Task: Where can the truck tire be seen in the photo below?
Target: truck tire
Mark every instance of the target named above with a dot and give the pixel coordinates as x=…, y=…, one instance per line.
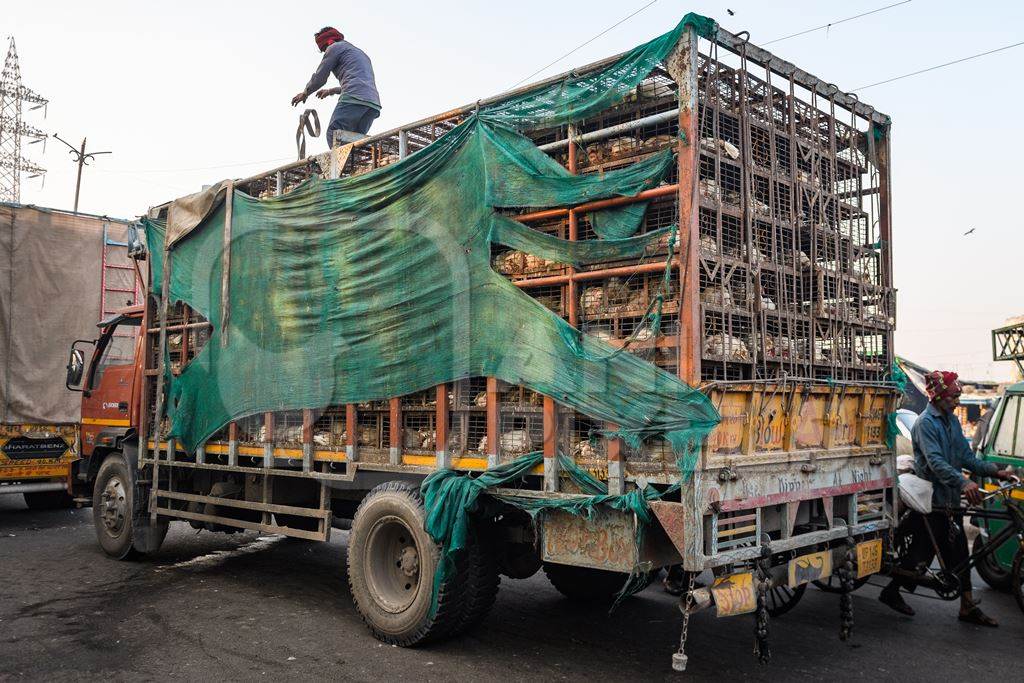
x=116, y=513
x=48, y=500
x=391, y=565
x=583, y=584
x=482, y=581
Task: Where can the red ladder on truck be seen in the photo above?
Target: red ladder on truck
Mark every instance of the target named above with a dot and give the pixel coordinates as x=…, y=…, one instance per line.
x=117, y=271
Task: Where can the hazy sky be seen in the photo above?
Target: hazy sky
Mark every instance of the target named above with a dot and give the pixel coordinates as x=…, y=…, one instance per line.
x=186, y=93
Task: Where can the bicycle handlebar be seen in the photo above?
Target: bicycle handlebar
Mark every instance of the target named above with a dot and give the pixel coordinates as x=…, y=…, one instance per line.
x=1014, y=483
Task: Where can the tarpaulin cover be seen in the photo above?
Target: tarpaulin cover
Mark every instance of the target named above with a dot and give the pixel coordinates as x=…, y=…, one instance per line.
x=380, y=285
x=50, y=275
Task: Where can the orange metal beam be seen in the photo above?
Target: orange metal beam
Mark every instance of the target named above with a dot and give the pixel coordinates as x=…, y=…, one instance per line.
x=395, y=427
x=493, y=413
x=689, y=306
x=441, y=423
x=662, y=191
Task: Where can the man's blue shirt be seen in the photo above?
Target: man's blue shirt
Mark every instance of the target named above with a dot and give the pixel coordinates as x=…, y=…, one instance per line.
x=941, y=453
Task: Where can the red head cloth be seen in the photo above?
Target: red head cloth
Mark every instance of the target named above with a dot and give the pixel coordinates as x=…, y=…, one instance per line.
x=942, y=384
x=327, y=35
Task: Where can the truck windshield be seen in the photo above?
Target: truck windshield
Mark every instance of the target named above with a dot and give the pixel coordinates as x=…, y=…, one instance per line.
x=117, y=347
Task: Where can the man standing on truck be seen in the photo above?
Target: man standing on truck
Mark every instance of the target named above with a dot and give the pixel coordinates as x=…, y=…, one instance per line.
x=941, y=453
x=359, y=103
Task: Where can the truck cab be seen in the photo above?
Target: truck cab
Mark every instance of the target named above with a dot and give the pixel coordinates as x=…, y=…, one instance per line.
x=108, y=378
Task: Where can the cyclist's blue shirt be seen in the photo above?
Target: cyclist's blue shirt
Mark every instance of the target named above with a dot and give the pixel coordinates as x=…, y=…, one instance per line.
x=941, y=453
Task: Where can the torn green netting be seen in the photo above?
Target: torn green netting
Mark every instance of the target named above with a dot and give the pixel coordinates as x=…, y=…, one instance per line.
x=450, y=498
x=518, y=236
x=899, y=380
x=618, y=223
x=898, y=377
x=578, y=97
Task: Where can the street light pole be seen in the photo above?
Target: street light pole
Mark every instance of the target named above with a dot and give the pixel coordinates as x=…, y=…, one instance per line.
x=81, y=158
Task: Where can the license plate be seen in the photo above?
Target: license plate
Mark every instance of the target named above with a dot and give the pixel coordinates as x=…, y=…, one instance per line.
x=734, y=594
x=869, y=558
x=811, y=567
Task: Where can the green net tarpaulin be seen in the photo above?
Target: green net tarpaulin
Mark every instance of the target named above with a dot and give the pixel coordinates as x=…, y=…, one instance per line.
x=380, y=285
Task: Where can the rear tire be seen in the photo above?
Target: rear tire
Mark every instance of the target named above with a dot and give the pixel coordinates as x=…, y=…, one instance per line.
x=48, y=500
x=482, y=582
x=583, y=584
x=991, y=571
x=392, y=561
x=115, y=511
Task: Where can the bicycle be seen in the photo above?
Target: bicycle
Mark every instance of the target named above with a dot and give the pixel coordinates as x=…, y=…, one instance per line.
x=945, y=582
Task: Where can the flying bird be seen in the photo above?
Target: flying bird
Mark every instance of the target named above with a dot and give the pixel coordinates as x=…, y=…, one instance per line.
x=731, y=13
x=969, y=232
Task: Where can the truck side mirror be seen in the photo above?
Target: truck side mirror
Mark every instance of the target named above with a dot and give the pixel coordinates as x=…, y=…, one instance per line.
x=76, y=365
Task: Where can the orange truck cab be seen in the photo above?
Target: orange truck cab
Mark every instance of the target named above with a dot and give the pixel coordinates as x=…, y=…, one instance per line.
x=109, y=379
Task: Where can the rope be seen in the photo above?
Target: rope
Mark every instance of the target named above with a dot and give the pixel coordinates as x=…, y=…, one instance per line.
x=309, y=122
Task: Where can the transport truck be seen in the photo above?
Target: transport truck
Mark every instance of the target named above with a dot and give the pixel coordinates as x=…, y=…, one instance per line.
x=49, y=257
x=705, y=242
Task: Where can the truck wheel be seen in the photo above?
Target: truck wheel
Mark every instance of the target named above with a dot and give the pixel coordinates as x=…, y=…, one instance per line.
x=48, y=500
x=991, y=570
x=391, y=565
x=114, y=511
x=482, y=581
x=583, y=584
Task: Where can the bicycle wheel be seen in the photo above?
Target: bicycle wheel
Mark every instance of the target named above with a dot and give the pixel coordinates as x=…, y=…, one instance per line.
x=1017, y=578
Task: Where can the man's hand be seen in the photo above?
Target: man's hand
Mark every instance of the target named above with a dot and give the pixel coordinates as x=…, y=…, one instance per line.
x=972, y=492
x=327, y=92
x=1005, y=475
x=300, y=98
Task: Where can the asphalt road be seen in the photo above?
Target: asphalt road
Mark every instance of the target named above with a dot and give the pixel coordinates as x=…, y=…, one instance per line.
x=217, y=607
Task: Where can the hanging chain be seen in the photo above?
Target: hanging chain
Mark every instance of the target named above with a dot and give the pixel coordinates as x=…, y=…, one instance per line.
x=679, y=659
x=761, y=648
x=846, y=597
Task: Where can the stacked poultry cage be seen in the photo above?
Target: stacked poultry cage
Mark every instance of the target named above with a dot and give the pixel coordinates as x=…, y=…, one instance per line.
x=792, y=282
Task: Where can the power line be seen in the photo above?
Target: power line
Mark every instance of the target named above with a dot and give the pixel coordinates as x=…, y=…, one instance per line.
x=940, y=66
x=835, y=23
x=198, y=168
x=584, y=44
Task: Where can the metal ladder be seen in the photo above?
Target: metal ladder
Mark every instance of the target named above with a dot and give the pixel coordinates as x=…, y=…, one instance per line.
x=112, y=296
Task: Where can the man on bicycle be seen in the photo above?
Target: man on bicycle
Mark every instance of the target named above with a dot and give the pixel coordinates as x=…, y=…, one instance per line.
x=941, y=453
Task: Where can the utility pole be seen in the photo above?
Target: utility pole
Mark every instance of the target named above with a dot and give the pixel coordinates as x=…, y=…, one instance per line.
x=82, y=158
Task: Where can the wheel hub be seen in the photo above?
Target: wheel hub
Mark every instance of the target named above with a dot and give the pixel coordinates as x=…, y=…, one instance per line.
x=392, y=564
x=114, y=506
x=409, y=561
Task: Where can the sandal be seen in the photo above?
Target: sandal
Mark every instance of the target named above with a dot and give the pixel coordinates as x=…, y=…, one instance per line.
x=977, y=617
x=894, y=600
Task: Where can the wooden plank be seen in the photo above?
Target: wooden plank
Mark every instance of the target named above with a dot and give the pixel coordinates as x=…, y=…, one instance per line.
x=245, y=504
x=242, y=524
